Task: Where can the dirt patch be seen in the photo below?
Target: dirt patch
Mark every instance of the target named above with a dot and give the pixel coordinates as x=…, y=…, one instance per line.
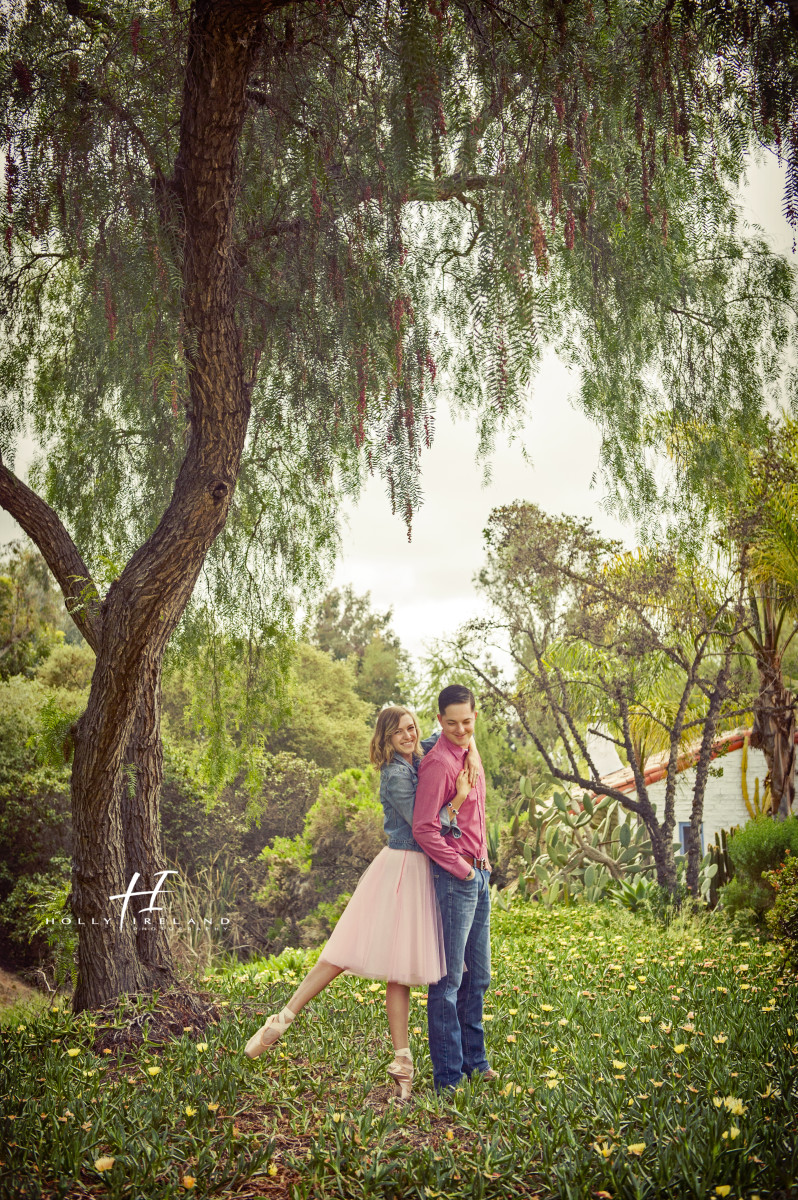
x=13, y=990
x=122, y=1026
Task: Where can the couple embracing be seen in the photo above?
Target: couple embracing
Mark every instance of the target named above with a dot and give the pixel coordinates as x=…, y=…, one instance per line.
x=421, y=912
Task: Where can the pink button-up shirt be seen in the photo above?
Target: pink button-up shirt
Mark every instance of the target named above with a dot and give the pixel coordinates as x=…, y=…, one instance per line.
x=437, y=784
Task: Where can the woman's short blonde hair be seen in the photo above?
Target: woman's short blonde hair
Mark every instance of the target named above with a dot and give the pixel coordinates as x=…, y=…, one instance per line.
x=381, y=751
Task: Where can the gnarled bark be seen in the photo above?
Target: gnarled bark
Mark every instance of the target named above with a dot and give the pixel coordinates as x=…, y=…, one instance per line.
x=773, y=730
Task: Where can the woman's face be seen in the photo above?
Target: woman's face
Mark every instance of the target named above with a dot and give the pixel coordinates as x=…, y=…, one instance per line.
x=404, y=738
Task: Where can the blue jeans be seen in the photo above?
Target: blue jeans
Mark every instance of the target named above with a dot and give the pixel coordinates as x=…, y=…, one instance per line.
x=454, y=1003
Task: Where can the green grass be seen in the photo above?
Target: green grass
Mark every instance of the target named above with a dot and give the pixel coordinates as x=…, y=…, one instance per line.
x=635, y=1061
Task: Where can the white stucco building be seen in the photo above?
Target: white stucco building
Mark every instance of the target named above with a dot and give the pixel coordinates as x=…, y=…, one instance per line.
x=724, y=805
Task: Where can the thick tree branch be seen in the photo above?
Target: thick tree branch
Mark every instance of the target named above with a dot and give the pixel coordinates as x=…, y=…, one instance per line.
x=45, y=528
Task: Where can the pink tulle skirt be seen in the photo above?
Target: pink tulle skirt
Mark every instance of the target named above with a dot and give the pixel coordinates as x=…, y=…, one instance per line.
x=391, y=928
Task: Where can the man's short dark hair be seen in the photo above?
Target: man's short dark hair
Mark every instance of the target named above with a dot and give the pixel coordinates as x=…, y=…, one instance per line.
x=456, y=694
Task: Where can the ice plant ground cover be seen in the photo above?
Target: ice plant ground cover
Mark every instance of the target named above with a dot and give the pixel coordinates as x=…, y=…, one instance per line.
x=635, y=1061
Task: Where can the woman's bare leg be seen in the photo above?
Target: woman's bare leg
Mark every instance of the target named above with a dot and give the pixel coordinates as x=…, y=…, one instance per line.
x=314, y=982
x=397, y=1005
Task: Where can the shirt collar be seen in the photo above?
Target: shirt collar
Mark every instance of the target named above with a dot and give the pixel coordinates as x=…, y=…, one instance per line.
x=458, y=753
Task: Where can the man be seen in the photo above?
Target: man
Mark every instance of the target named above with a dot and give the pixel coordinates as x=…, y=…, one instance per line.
x=461, y=872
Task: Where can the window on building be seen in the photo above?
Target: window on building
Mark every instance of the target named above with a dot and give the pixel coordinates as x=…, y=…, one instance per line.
x=685, y=834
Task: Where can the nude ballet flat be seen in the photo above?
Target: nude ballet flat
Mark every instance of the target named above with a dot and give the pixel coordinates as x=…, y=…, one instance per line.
x=401, y=1072
x=274, y=1028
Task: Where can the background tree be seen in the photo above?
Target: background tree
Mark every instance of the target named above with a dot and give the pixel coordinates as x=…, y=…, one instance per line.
x=231, y=239
x=329, y=723
x=591, y=633
x=346, y=626
x=773, y=600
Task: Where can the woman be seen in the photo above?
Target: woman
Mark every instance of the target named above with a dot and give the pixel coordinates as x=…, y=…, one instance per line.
x=391, y=927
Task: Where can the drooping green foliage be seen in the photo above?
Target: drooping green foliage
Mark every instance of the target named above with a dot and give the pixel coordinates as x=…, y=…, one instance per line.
x=423, y=187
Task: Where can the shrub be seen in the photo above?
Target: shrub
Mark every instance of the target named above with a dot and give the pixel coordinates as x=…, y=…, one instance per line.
x=35, y=820
x=33, y=913
x=783, y=917
x=307, y=874
x=758, y=846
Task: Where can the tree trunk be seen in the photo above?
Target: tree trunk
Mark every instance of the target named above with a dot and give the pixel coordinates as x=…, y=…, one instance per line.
x=774, y=731
x=116, y=830
x=661, y=849
x=141, y=824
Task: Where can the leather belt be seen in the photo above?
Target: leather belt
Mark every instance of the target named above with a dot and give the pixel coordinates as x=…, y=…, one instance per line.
x=481, y=863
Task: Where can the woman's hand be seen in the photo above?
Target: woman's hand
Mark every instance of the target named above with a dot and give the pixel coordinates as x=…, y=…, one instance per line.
x=473, y=763
x=464, y=785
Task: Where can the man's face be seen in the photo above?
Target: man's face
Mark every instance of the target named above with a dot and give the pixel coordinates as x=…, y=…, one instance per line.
x=457, y=723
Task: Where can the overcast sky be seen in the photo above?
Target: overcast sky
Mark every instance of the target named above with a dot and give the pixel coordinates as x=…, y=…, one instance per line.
x=429, y=582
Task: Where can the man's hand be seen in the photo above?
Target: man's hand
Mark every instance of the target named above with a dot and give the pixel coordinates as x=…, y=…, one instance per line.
x=471, y=875
x=473, y=763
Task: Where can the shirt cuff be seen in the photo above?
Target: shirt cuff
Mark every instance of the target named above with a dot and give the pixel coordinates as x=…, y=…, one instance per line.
x=463, y=868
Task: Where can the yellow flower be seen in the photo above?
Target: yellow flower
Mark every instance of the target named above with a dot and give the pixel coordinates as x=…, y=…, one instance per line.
x=487, y=1016
x=73, y=1053
x=272, y=1169
x=641, y=979
x=547, y=1007
x=191, y=1112
x=604, y=1151
x=449, y=1135
x=717, y=1101
x=735, y=1106
x=722, y=1189
x=374, y=987
x=202, y=1045
x=552, y=1083
x=636, y=1147
x=619, y=1066
x=513, y=1012
x=188, y=1182
x=563, y=1021
x=719, y=1038
x=734, y=1132
x=359, y=997
x=337, y=1118
x=153, y=1070
x=680, y=1049
x=510, y=1037
x=213, y=1105
x=416, y=1029
x=644, y=1020
x=104, y=1164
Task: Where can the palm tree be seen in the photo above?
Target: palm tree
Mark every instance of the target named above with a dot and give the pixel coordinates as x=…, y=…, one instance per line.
x=773, y=600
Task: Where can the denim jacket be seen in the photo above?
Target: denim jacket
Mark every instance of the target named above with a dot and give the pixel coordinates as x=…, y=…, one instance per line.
x=398, y=782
